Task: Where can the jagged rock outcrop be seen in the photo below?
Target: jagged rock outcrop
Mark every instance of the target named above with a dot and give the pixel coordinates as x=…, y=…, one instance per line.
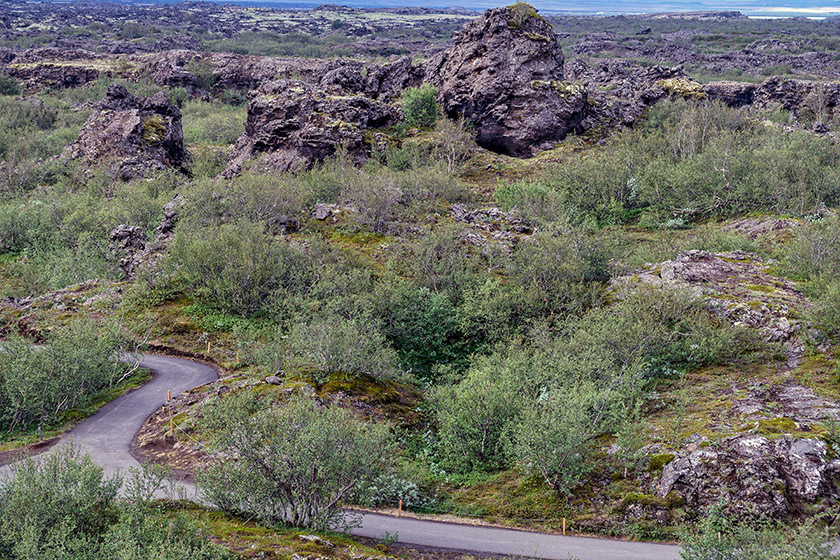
x=818, y=99
x=244, y=73
x=505, y=74
x=620, y=93
x=60, y=68
x=127, y=242
x=387, y=81
x=736, y=286
x=292, y=124
x=131, y=248
x=137, y=135
x=775, y=477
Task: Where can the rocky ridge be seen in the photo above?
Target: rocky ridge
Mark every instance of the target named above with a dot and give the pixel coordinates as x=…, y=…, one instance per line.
x=504, y=71
x=292, y=124
x=764, y=453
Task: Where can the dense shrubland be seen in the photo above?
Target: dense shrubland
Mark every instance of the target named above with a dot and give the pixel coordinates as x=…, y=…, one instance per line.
x=39, y=385
x=690, y=162
x=542, y=401
x=527, y=356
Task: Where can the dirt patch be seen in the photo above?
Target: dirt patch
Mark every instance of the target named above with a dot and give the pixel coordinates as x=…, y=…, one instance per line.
x=413, y=552
x=15, y=455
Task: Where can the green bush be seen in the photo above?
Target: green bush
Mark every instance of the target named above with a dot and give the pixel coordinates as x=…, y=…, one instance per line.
x=8, y=85
x=420, y=106
x=61, y=506
x=814, y=250
x=299, y=479
x=212, y=123
x=424, y=328
x=825, y=314
x=178, y=96
x=204, y=72
x=474, y=417
x=374, y=196
x=56, y=506
x=720, y=536
x=558, y=269
x=238, y=267
x=438, y=261
x=38, y=384
x=329, y=345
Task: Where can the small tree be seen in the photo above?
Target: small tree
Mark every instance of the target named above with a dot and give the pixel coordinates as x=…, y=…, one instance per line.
x=420, y=106
x=290, y=465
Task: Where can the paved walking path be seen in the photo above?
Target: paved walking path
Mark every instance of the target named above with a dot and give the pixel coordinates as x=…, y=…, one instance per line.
x=107, y=437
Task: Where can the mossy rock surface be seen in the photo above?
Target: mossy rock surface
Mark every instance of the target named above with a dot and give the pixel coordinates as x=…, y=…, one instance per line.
x=154, y=129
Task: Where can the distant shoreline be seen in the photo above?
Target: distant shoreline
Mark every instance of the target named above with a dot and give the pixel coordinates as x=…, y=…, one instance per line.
x=635, y=8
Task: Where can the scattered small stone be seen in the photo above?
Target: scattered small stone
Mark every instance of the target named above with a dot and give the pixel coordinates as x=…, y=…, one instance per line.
x=316, y=540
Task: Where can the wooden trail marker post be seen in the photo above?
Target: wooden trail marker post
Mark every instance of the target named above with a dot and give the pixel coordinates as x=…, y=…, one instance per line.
x=399, y=510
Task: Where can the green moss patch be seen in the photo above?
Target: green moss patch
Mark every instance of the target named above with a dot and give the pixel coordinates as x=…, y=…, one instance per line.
x=154, y=129
x=781, y=425
x=658, y=462
x=247, y=539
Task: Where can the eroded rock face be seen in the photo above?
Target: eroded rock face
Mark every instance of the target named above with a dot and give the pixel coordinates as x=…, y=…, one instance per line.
x=773, y=476
x=620, y=93
x=736, y=286
x=132, y=250
x=127, y=242
x=790, y=94
x=505, y=74
x=292, y=124
x=139, y=135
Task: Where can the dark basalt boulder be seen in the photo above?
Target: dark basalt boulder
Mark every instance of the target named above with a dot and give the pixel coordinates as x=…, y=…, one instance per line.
x=734, y=94
x=138, y=135
x=505, y=74
x=292, y=124
x=388, y=81
x=127, y=242
x=794, y=95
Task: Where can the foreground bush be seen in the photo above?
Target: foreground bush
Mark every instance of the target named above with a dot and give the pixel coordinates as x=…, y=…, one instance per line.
x=290, y=465
x=722, y=538
x=60, y=506
x=60, y=503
